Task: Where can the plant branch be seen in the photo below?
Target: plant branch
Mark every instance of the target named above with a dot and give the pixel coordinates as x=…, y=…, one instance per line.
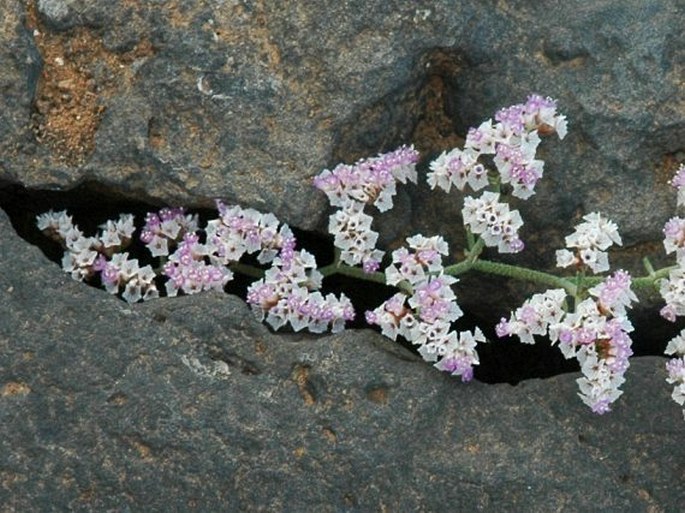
x=522, y=273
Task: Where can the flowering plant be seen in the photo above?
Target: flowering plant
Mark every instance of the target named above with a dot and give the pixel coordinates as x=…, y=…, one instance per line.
x=584, y=314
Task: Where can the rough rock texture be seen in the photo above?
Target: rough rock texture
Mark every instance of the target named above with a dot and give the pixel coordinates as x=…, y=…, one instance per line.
x=186, y=101
x=193, y=100
x=189, y=404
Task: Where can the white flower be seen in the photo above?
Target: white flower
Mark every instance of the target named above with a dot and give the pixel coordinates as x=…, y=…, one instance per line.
x=565, y=258
x=351, y=229
x=492, y=220
x=600, y=386
x=482, y=139
x=534, y=316
x=672, y=290
x=590, y=241
x=459, y=168
x=676, y=345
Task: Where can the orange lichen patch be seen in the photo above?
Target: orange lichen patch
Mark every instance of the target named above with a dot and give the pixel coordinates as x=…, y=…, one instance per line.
x=78, y=75
x=378, y=394
x=301, y=377
x=9, y=479
x=434, y=130
x=9, y=22
x=117, y=399
x=665, y=170
x=329, y=435
x=177, y=18
x=269, y=50
x=256, y=29
x=473, y=448
x=142, y=449
x=14, y=388
x=260, y=347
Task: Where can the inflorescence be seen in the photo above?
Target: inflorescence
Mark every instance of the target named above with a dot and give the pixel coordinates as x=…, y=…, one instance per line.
x=586, y=316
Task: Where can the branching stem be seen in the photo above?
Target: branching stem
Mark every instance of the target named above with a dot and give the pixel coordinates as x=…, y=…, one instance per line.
x=572, y=285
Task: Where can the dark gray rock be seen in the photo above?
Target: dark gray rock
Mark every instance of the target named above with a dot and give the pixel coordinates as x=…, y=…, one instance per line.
x=188, y=101
x=247, y=102
x=20, y=67
x=188, y=404
x=58, y=14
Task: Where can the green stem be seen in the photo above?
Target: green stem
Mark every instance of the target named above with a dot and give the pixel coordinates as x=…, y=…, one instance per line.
x=358, y=273
x=643, y=282
x=648, y=266
x=572, y=285
x=470, y=240
x=653, y=279
x=521, y=273
x=475, y=251
x=353, y=272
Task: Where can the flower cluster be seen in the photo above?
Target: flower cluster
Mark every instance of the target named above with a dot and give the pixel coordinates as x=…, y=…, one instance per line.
x=240, y=231
x=194, y=266
x=83, y=254
x=672, y=290
x=596, y=333
x=413, y=266
x=288, y=295
x=370, y=180
x=494, y=222
x=587, y=317
x=534, y=316
x=352, y=187
x=120, y=273
x=459, y=168
x=512, y=141
x=189, y=272
x=425, y=316
x=674, y=237
x=166, y=228
x=589, y=242
x=195, y=260
x=676, y=368
x=353, y=235
x=674, y=229
x=678, y=182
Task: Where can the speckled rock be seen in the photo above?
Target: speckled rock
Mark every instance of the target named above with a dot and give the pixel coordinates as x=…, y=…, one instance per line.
x=190, y=101
x=188, y=404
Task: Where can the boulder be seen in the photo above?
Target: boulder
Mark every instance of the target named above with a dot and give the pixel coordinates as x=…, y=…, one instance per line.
x=191, y=101
x=197, y=100
x=189, y=404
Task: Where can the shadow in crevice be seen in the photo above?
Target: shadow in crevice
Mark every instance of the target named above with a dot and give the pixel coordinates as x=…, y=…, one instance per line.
x=426, y=111
x=90, y=203
x=502, y=361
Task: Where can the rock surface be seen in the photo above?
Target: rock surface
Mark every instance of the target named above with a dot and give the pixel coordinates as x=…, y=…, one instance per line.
x=190, y=101
x=188, y=404
x=195, y=100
